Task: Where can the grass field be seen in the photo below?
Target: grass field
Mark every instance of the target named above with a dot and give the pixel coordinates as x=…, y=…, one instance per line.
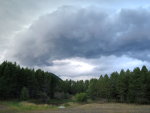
x=19, y=107
x=26, y=107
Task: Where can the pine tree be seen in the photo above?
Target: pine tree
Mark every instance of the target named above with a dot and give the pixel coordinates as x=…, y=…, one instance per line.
x=24, y=95
x=113, y=86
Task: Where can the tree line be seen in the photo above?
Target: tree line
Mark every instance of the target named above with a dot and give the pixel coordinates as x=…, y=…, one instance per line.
x=125, y=86
x=13, y=79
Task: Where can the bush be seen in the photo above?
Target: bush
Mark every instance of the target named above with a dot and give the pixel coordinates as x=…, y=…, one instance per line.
x=81, y=97
x=24, y=94
x=43, y=97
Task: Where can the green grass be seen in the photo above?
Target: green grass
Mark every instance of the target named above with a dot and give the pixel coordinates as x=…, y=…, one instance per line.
x=71, y=107
x=16, y=106
x=59, y=101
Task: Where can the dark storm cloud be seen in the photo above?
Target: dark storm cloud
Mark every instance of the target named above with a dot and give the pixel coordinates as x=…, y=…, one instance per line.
x=15, y=15
x=72, y=32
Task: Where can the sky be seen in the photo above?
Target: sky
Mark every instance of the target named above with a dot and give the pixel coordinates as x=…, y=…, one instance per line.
x=76, y=39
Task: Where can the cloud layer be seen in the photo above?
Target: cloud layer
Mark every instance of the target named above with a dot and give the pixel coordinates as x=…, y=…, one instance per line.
x=82, y=68
x=69, y=32
x=76, y=41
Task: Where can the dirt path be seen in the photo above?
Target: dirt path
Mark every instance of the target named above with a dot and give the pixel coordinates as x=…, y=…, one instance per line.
x=2, y=107
x=102, y=108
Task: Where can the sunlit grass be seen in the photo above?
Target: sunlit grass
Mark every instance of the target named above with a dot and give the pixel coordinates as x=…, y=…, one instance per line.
x=15, y=106
x=71, y=107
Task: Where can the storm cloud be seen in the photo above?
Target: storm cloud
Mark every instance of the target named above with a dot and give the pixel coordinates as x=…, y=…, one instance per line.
x=69, y=32
x=76, y=41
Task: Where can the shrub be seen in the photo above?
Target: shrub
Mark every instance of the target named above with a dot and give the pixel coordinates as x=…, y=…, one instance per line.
x=24, y=94
x=81, y=97
x=43, y=97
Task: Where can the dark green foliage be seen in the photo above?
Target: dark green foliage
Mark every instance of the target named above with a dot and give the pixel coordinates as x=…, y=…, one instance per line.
x=24, y=94
x=43, y=97
x=81, y=97
x=113, y=86
x=93, y=90
x=72, y=87
x=122, y=86
x=126, y=86
x=13, y=79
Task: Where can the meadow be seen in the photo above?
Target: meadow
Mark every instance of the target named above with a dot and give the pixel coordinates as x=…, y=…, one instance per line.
x=72, y=107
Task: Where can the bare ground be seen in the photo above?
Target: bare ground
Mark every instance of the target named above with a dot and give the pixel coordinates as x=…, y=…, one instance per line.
x=2, y=107
x=102, y=108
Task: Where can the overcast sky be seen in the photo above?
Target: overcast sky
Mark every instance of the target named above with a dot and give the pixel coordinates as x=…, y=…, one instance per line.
x=76, y=39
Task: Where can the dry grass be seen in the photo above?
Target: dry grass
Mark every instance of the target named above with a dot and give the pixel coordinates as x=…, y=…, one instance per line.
x=78, y=108
x=103, y=108
x=19, y=107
